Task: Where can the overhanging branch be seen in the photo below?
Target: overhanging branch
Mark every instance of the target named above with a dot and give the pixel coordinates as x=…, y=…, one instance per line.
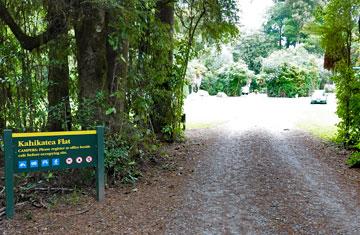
x=58, y=26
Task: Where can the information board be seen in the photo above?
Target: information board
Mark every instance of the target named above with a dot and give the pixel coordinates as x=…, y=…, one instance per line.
x=48, y=151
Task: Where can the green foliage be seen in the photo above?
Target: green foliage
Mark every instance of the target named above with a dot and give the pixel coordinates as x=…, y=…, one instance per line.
x=86, y=108
x=337, y=24
x=298, y=57
x=289, y=81
x=251, y=49
x=258, y=84
x=142, y=95
x=125, y=152
x=119, y=164
x=354, y=160
x=312, y=44
x=230, y=80
x=199, y=23
x=291, y=72
x=348, y=109
x=22, y=74
x=286, y=20
x=274, y=27
x=22, y=109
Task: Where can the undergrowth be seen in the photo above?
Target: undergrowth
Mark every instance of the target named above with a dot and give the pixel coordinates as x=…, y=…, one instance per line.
x=354, y=159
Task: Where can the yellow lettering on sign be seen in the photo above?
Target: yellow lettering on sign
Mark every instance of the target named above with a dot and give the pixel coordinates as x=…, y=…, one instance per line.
x=34, y=143
x=21, y=143
x=64, y=141
x=28, y=150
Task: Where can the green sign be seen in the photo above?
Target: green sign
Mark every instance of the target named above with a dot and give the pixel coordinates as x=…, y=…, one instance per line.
x=47, y=151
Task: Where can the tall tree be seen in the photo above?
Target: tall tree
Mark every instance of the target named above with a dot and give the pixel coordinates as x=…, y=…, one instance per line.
x=59, y=118
x=59, y=114
x=57, y=27
x=286, y=20
x=339, y=33
x=91, y=36
x=276, y=22
x=252, y=49
x=117, y=52
x=211, y=22
x=163, y=60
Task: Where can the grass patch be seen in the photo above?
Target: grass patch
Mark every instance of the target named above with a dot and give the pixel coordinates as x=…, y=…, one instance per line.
x=71, y=199
x=324, y=132
x=200, y=125
x=354, y=160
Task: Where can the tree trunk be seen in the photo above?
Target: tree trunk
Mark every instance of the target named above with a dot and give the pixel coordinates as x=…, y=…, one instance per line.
x=59, y=110
x=3, y=95
x=90, y=34
x=117, y=60
x=280, y=36
x=59, y=114
x=162, y=97
x=165, y=13
x=55, y=28
x=288, y=43
x=3, y=98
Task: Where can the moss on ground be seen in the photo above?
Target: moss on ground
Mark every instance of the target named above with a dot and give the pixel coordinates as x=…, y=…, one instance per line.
x=325, y=132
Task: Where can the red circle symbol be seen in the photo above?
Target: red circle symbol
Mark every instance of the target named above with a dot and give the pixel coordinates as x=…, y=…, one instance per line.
x=79, y=160
x=69, y=161
x=89, y=159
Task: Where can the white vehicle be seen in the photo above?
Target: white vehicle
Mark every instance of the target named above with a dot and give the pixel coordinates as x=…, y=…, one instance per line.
x=319, y=97
x=245, y=90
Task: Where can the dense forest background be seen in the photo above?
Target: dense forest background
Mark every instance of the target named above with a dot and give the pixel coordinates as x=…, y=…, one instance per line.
x=71, y=65
x=302, y=46
x=76, y=64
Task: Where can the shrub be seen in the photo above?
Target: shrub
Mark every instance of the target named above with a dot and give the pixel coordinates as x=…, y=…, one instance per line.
x=348, y=104
x=298, y=57
x=228, y=80
x=289, y=81
x=125, y=152
x=258, y=84
x=354, y=160
x=293, y=71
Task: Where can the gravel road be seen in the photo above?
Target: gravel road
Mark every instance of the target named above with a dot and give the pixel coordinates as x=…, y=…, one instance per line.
x=265, y=182
x=257, y=174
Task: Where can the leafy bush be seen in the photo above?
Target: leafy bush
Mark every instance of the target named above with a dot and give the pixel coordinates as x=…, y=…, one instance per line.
x=297, y=57
x=194, y=75
x=293, y=71
x=126, y=151
x=348, y=109
x=354, y=160
x=258, y=84
x=228, y=80
x=289, y=81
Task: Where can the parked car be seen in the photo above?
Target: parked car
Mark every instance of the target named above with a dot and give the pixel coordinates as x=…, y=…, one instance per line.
x=319, y=97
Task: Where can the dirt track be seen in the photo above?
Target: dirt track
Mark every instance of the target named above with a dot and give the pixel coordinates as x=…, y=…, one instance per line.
x=250, y=175
x=264, y=182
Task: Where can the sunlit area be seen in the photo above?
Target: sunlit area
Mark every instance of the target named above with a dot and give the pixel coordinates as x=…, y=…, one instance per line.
x=172, y=117
x=271, y=76
x=260, y=111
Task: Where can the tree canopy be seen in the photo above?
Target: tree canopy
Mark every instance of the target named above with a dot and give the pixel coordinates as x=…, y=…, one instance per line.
x=69, y=65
